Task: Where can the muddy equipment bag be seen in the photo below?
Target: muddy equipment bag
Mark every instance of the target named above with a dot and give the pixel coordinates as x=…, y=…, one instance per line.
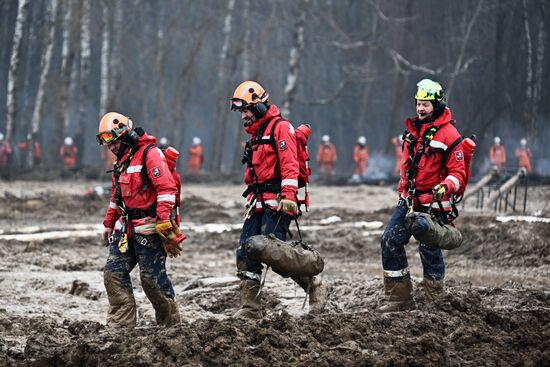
x=432, y=233
x=287, y=259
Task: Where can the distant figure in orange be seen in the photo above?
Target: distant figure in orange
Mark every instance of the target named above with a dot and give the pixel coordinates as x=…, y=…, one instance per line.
x=524, y=155
x=397, y=143
x=360, y=158
x=24, y=148
x=108, y=158
x=326, y=156
x=497, y=156
x=68, y=153
x=195, y=156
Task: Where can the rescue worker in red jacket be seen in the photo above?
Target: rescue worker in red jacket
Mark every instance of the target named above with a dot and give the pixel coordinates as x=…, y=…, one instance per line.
x=271, y=194
x=137, y=225
x=497, y=156
x=5, y=155
x=195, y=156
x=428, y=179
x=360, y=158
x=524, y=156
x=68, y=153
x=397, y=143
x=326, y=156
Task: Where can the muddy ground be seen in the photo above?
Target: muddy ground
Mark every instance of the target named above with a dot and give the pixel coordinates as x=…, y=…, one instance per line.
x=53, y=303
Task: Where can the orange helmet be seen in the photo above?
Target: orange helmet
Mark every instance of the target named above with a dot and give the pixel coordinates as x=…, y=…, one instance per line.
x=112, y=126
x=247, y=94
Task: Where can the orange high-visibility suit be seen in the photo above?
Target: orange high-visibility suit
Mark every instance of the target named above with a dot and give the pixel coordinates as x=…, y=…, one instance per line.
x=524, y=158
x=195, y=159
x=497, y=157
x=326, y=156
x=37, y=153
x=69, y=154
x=398, y=148
x=360, y=158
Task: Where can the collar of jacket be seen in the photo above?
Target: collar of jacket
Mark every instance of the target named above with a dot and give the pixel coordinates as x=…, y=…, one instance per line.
x=272, y=112
x=444, y=119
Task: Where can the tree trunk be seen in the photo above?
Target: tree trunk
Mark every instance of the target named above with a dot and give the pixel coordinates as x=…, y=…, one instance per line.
x=46, y=60
x=11, y=103
x=294, y=61
x=219, y=132
x=104, y=84
x=83, y=100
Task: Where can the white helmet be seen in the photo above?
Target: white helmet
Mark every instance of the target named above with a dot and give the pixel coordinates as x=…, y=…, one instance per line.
x=68, y=141
x=496, y=140
x=325, y=138
x=523, y=142
x=1, y=136
x=362, y=140
x=196, y=140
x=163, y=141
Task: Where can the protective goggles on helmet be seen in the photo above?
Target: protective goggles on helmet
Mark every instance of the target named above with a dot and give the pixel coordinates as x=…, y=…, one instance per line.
x=429, y=90
x=107, y=137
x=237, y=104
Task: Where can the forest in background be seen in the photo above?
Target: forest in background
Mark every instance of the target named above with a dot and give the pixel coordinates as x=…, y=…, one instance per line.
x=347, y=67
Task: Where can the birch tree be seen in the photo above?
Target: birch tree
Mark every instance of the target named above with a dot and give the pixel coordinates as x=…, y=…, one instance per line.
x=22, y=12
x=85, y=53
x=219, y=133
x=294, y=61
x=51, y=11
x=105, y=67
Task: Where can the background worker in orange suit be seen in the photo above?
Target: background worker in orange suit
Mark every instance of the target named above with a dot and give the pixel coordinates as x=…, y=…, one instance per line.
x=68, y=153
x=497, y=156
x=195, y=156
x=360, y=158
x=524, y=155
x=397, y=143
x=326, y=156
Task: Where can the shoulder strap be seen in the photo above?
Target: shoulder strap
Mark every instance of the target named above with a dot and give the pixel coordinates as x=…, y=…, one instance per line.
x=451, y=148
x=144, y=177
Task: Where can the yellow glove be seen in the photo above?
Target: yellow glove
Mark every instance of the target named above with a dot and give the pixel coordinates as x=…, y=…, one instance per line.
x=439, y=192
x=171, y=236
x=286, y=205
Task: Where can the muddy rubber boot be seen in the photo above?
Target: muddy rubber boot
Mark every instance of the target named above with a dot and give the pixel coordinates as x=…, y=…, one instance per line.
x=166, y=309
x=397, y=296
x=251, y=306
x=122, y=305
x=434, y=289
x=319, y=291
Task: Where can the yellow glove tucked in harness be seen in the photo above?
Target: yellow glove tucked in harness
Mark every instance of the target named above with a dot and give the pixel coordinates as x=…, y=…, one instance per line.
x=171, y=236
x=439, y=192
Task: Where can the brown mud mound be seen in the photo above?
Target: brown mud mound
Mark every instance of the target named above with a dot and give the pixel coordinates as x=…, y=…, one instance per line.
x=461, y=329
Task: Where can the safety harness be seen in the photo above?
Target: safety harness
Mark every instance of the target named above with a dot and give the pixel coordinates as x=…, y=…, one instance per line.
x=414, y=160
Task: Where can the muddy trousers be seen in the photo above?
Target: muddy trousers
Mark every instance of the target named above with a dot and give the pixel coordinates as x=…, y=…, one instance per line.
x=147, y=251
x=394, y=257
x=264, y=222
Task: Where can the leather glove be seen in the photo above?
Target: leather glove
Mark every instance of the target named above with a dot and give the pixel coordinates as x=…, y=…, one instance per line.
x=286, y=205
x=171, y=236
x=439, y=192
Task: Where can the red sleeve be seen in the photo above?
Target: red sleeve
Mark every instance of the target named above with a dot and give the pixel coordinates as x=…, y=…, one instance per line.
x=456, y=168
x=334, y=155
x=112, y=214
x=161, y=178
x=285, y=142
x=356, y=153
x=403, y=181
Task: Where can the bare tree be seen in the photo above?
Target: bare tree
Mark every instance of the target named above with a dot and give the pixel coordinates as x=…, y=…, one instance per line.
x=22, y=11
x=46, y=60
x=219, y=135
x=85, y=53
x=294, y=60
x=105, y=37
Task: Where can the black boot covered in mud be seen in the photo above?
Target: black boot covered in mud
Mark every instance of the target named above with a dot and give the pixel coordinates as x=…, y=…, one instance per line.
x=251, y=306
x=319, y=291
x=397, y=295
x=434, y=290
x=122, y=305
